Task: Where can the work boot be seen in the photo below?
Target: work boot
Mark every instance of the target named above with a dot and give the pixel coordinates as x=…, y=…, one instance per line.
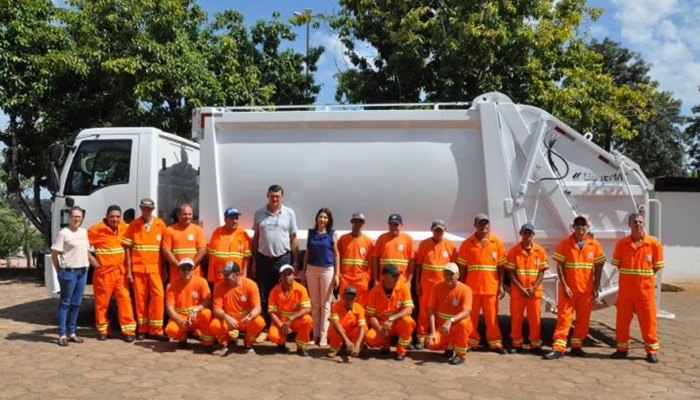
x=419, y=346
x=456, y=360
x=449, y=354
x=515, y=350
x=652, y=358
x=129, y=338
x=102, y=336
x=182, y=344
x=578, y=352
x=209, y=349
x=553, y=355
x=500, y=350
x=281, y=348
x=618, y=355
x=140, y=336
x=160, y=338
x=302, y=352
x=399, y=357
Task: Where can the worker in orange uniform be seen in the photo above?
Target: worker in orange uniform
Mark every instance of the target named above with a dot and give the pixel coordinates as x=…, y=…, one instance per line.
x=236, y=308
x=143, y=269
x=110, y=274
x=183, y=239
x=389, y=309
x=580, y=260
x=450, y=306
x=355, y=251
x=348, y=324
x=432, y=256
x=289, y=308
x=188, y=304
x=396, y=248
x=229, y=242
x=638, y=257
x=527, y=262
x=481, y=258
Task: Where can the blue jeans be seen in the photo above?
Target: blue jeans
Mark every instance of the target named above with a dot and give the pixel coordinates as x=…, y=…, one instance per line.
x=72, y=283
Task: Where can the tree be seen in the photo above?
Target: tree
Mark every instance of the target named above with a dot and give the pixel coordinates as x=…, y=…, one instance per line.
x=693, y=133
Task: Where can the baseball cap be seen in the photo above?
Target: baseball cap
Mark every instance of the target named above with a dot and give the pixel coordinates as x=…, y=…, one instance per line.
x=231, y=211
x=481, y=217
x=285, y=268
x=231, y=266
x=350, y=290
x=357, y=215
x=391, y=269
x=438, y=223
x=186, y=262
x=147, y=202
x=395, y=219
x=452, y=267
x=581, y=218
x=528, y=226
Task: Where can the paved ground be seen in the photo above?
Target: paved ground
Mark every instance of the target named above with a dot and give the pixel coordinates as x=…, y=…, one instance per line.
x=32, y=366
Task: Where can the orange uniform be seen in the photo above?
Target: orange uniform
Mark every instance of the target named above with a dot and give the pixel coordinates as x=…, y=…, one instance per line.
x=237, y=302
x=637, y=264
x=183, y=243
x=223, y=247
x=482, y=277
x=578, y=267
x=355, y=257
x=396, y=250
x=184, y=297
x=446, y=302
x=143, y=240
x=383, y=306
x=351, y=321
x=431, y=258
x=285, y=306
x=110, y=277
x=527, y=265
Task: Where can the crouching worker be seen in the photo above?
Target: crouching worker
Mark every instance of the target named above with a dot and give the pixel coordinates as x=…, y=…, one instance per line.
x=236, y=308
x=289, y=308
x=348, y=325
x=188, y=302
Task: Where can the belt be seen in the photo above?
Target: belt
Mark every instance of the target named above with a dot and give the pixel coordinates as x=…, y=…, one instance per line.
x=272, y=258
x=73, y=269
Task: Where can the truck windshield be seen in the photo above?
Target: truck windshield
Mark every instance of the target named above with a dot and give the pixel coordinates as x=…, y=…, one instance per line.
x=98, y=163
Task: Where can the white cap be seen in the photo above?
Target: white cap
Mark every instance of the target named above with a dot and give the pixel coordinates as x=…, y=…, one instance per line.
x=286, y=267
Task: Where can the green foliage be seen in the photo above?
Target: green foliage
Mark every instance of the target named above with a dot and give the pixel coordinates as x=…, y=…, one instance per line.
x=693, y=134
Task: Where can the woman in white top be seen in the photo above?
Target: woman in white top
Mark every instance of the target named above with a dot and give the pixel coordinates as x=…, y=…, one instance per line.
x=70, y=257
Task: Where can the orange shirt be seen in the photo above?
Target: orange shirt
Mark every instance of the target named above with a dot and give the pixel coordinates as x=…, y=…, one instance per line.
x=108, y=246
x=348, y=319
x=223, y=247
x=482, y=263
x=527, y=265
x=236, y=301
x=637, y=265
x=185, y=296
x=144, y=244
x=383, y=306
x=432, y=257
x=183, y=243
x=579, y=262
x=290, y=304
x=449, y=301
x=396, y=250
x=355, y=254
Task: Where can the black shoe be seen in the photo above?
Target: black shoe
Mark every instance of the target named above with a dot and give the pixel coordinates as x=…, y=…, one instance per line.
x=101, y=337
x=129, y=338
x=449, y=354
x=578, y=352
x=160, y=338
x=209, y=349
x=248, y=349
x=399, y=357
x=182, y=344
x=515, y=350
x=652, y=358
x=281, y=348
x=63, y=341
x=232, y=345
x=302, y=352
x=411, y=346
x=75, y=338
x=456, y=361
x=419, y=346
x=618, y=355
x=500, y=351
x=553, y=355
x=140, y=336
x=384, y=352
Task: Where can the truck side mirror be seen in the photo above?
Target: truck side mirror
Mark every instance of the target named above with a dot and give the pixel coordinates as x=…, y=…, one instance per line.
x=52, y=178
x=56, y=152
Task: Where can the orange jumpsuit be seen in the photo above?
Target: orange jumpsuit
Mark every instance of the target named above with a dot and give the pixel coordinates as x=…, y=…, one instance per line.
x=183, y=243
x=110, y=277
x=223, y=247
x=286, y=306
x=527, y=266
x=482, y=263
x=184, y=297
x=637, y=265
x=579, y=267
x=351, y=321
x=237, y=302
x=431, y=258
x=355, y=258
x=381, y=307
x=446, y=302
x=149, y=295
x=396, y=250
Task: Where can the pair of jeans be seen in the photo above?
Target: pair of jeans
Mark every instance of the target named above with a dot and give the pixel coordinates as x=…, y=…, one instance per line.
x=267, y=271
x=72, y=283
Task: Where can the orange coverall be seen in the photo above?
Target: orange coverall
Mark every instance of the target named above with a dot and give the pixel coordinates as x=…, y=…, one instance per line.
x=396, y=250
x=184, y=297
x=579, y=268
x=351, y=321
x=482, y=263
x=183, y=243
x=149, y=294
x=381, y=307
x=110, y=277
x=355, y=269
x=225, y=247
x=447, y=302
x=431, y=258
x=637, y=265
x=237, y=302
x=527, y=266
x=286, y=306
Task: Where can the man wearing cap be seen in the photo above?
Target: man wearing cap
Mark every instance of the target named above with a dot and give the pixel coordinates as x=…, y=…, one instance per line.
x=355, y=251
x=580, y=260
x=527, y=262
x=290, y=311
x=348, y=325
x=183, y=239
x=396, y=248
x=389, y=309
x=432, y=256
x=450, y=306
x=637, y=257
x=274, y=243
x=236, y=308
x=143, y=268
x=229, y=242
x=481, y=258
x=110, y=274
x=188, y=302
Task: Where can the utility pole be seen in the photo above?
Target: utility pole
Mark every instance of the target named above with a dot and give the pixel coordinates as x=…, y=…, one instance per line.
x=309, y=16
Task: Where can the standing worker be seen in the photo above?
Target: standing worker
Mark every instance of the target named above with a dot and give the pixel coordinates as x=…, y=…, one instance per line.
x=181, y=240
x=394, y=248
x=355, y=252
x=228, y=243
